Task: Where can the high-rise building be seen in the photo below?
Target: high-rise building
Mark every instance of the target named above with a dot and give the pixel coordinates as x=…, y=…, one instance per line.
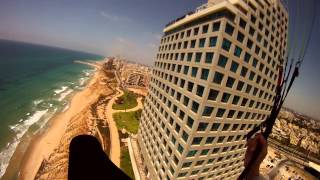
x=214, y=79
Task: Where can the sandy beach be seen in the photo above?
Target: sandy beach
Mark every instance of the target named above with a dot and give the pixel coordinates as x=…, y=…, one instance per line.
x=51, y=147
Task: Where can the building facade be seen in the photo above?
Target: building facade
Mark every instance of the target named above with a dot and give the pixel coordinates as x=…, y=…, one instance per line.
x=214, y=79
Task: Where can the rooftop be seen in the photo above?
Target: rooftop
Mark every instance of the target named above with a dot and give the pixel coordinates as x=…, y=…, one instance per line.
x=205, y=9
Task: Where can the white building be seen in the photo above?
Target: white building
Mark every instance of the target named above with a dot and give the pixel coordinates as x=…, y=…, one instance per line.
x=214, y=79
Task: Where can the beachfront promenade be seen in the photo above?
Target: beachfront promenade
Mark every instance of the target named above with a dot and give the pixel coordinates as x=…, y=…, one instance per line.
x=115, y=150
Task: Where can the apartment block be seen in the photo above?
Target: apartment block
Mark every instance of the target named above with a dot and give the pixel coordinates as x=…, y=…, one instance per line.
x=213, y=80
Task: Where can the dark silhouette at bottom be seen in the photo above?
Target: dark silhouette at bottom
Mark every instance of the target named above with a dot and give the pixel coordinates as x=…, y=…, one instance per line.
x=88, y=161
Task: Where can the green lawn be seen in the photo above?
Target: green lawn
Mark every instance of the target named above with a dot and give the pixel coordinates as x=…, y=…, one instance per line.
x=128, y=120
x=129, y=101
x=125, y=163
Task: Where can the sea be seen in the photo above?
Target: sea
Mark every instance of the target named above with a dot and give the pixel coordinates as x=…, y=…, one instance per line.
x=36, y=83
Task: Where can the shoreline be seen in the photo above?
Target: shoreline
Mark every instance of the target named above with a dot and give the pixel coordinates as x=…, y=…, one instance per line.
x=43, y=145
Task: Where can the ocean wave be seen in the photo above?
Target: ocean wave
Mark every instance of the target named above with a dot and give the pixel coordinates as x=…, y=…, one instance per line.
x=62, y=89
x=66, y=108
x=82, y=81
x=88, y=72
x=65, y=94
x=36, y=102
x=20, y=130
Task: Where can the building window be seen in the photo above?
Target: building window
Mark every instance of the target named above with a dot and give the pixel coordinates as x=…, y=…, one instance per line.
x=235, y=127
x=254, y=62
x=185, y=101
x=186, y=69
x=251, y=76
x=173, y=140
x=177, y=128
x=187, y=164
x=193, y=44
x=207, y=111
x=213, y=41
x=198, y=57
x=189, y=57
x=242, y=23
x=220, y=139
x=234, y=67
x=210, y=161
x=218, y=77
x=185, y=136
x=244, y=71
x=247, y=57
x=182, y=81
x=229, y=29
x=225, y=127
x=205, y=29
x=190, y=86
x=226, y=44
x=215, y=127
x=225, y=97
x=209, y=140
x=194, y=71
x=222, y=61
x=204, y=152
x=251, y=31
x=181, y=115
x=200, y=90
x=230, y=82
x=182, y=56
x=240, y=37
x=202, y=42
x=249, y=44
x=192, y=153
x=182, y=174
x=185, y=45
x=204, y=74
x=215, y=150
x=237, y=51
x=239, y=115
x=195, y=31
x=235, y=100
x=231, y=113
x=244, y=102
x=181, y=35
x=220, y=112
x=240, y=85
x=194, y=172
x=215, y=26
x=253, y=19
x=188, y=33
x=209, y=57
x=195, y=106
x=196, y=140
x=248, y=88
x=213, y=94
x=202, y=126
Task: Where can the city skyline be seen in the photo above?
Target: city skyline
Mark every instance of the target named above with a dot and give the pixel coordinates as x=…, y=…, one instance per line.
x=109, y=28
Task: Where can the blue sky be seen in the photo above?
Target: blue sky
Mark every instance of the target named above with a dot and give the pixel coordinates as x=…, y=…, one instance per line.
x=132, y=28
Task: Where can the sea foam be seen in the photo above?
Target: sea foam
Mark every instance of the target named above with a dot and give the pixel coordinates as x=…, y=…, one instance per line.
x=20, y=130
x=62, y=89
x=64, y=94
